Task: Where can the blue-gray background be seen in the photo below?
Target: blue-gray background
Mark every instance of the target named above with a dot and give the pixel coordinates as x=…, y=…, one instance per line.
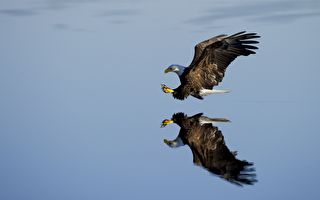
x=81, y=105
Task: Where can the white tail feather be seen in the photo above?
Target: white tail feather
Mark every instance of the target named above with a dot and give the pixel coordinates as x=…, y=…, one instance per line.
x=205, y=92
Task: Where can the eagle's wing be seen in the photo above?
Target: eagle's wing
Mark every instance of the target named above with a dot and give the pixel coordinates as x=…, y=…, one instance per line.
x=198, y=49
x=213, y=56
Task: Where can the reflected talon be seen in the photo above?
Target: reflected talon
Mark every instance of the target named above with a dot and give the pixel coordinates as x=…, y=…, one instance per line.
x=166, y=122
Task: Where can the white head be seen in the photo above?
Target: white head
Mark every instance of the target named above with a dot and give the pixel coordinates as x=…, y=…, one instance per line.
x=178, y=69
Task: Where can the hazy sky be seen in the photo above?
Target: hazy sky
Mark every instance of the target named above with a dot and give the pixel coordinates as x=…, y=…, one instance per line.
x=81, y=103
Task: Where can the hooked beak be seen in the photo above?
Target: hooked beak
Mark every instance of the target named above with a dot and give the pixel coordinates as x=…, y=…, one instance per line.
x=166, y=122
x=167, y=70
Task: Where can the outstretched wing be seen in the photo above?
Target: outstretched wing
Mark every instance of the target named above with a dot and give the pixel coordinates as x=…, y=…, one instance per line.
x=213, y=56
x=198, y=49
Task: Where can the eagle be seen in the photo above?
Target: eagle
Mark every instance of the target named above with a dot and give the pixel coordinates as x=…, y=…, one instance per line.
x=210, y=61
x=209, y=149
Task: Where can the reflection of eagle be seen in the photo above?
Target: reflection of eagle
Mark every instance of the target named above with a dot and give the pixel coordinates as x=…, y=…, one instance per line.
x=209, y=149
x=209, y=64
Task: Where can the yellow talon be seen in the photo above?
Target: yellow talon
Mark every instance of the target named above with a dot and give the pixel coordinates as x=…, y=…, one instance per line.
x=166, y=89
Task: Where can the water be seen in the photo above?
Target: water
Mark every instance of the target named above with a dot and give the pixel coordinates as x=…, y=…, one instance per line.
x=81, y=104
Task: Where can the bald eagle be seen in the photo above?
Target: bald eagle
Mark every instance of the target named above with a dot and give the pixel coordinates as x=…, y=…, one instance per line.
x=210, y=61
x=209, y=149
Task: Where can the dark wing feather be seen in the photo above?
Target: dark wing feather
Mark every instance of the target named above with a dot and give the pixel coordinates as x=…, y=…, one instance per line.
x=210, y=61
x=198, y=49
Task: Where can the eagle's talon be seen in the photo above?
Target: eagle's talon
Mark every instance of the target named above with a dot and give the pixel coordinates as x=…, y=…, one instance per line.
x=166, y=89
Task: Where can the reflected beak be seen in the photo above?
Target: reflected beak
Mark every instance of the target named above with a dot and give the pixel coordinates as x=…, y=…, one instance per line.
x=166, y=122
x=170, y=143
x=167, y=141
x=167, y=70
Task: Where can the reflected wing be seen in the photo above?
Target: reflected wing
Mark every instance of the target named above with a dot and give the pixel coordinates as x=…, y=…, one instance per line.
x=209, y=151
x=213, y=56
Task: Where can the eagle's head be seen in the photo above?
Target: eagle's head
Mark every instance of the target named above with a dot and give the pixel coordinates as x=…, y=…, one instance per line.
x=178, y=69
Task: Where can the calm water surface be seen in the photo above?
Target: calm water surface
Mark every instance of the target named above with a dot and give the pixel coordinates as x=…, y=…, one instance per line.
x=81, y=104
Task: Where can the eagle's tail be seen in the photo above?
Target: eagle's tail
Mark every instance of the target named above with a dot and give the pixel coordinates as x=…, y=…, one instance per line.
x=220, y=91
x=205, y=92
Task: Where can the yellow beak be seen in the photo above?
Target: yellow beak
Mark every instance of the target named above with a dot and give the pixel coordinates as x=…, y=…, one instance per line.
x=167, y=70
x=166, y=122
